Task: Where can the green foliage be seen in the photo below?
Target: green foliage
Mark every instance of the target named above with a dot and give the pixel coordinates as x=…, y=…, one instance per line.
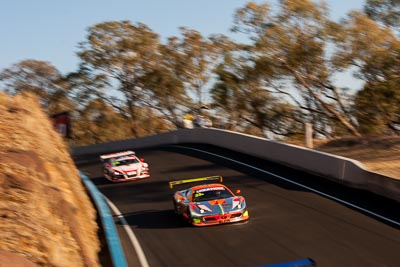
x=385, y=11
x=375, y=51
x=97, y=122
x=241, y=97
x=378, y=108
x=293, y=44
x=124, y=53
x=198, y=56
x=38, y=77
x=85, y=86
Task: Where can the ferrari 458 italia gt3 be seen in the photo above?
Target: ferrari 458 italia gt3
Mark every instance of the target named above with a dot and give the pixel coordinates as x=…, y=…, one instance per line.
x=209, y=204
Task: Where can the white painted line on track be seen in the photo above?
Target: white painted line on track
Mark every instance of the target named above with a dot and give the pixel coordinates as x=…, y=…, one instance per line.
x=131, y=235
x=298, y=184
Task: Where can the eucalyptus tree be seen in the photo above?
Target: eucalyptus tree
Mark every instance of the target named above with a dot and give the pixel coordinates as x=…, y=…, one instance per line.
x=377, y=107
x=166, y=83
x=198, y=56
x=92, y=123
x=374, y=51
x=40, y=78
x=241, y=95
x=226, y=92
x=84, y=86
x=124, y=53
x=384, y=11
x=180, y=82
x=292, y=42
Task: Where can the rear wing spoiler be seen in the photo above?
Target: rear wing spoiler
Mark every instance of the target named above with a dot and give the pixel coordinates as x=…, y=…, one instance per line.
x=192, y=180
x=117, y=154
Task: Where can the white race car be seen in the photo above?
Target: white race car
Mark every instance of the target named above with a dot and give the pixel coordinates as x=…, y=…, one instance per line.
x=124, y=166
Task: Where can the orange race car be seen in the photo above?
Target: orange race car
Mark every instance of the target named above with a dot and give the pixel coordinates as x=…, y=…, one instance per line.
x=209, y=204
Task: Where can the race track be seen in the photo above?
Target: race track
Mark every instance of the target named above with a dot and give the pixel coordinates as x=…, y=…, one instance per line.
x=287, y=222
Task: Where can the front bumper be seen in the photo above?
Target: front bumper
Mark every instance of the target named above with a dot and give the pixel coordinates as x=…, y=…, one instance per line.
x=214, y=219
x=125, y=177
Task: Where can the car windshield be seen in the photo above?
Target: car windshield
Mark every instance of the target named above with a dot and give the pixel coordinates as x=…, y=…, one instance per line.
x=211, y=193
x=125, y=161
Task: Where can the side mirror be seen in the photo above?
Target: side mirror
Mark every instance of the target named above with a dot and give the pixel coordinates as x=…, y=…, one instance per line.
x=237, y=191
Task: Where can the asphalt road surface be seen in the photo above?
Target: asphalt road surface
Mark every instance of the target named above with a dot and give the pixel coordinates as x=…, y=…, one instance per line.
x=287, y=222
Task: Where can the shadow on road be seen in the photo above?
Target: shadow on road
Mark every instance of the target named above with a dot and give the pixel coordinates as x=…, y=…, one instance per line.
x=155, y=219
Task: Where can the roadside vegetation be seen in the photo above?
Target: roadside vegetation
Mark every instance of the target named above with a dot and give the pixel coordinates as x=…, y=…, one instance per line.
x=377, y=154
x=289, y=72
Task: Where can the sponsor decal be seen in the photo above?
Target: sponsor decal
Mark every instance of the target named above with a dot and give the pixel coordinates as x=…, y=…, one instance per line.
x=204, y=207
x=210, y=189
x=235, y=204
x=221, y=209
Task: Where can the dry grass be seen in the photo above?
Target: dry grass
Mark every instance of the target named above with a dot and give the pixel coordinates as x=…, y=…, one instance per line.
x=378, y=154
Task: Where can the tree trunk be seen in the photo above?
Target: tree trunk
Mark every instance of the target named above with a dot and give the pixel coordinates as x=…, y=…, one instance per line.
x=340, y=117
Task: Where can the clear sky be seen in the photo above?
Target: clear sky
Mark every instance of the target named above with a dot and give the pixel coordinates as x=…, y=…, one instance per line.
x=50, y=30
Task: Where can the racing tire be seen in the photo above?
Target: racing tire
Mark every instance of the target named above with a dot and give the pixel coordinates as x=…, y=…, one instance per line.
x=189, y=220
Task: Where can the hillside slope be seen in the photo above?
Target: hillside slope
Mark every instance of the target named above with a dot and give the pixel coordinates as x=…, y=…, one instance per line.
x=47, y=218
x=377, y=154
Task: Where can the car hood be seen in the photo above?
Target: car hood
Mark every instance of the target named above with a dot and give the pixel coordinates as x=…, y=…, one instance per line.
x=220, y=206
x=127, y=168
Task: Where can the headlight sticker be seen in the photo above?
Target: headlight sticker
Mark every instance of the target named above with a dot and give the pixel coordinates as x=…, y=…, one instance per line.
x=236, y=204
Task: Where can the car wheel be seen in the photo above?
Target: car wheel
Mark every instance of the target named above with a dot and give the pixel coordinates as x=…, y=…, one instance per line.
x=189, y=219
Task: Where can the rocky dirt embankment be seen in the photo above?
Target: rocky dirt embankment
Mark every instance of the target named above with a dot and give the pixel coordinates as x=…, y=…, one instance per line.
x=46, y=216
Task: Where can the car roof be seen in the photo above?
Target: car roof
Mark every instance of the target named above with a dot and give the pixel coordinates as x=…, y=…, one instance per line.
x=118, y=154
x=123, y=158
x=198, y=187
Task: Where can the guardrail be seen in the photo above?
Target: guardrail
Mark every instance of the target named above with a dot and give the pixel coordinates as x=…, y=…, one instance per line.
x=338, y=169
x=117, y=254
